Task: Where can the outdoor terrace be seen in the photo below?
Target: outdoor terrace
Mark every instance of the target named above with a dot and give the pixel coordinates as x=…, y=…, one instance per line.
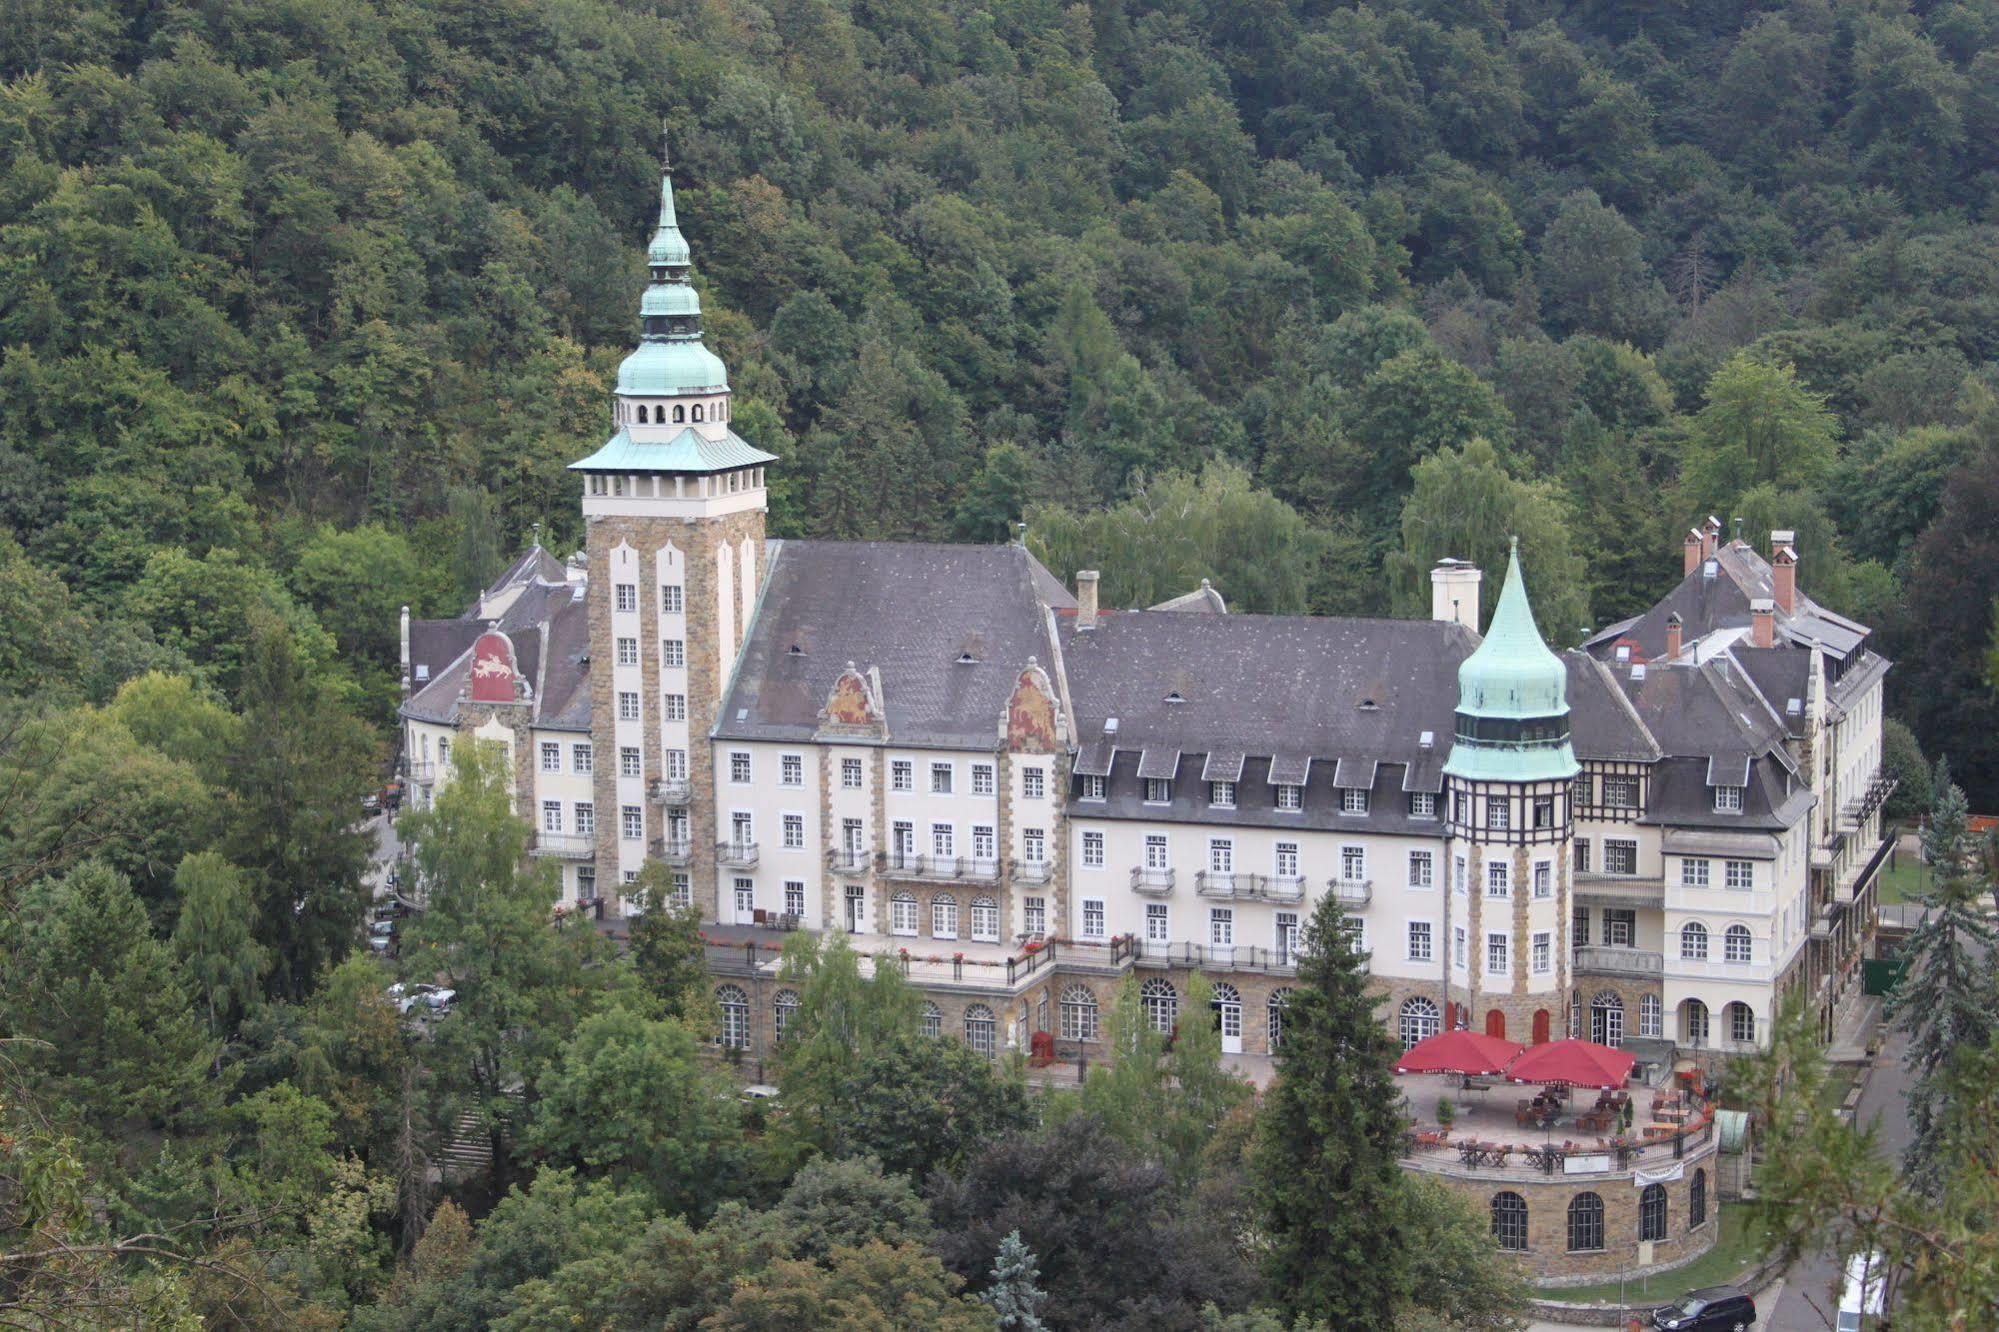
x=988, y=967
x=1493, y=1135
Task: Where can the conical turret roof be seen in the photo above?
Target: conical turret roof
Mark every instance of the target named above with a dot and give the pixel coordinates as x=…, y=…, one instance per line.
x=1513, y=674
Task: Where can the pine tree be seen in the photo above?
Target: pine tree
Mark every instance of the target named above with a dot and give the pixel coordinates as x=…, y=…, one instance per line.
x=1016, y=1300
x=1946, y=998
x=1325, y=1159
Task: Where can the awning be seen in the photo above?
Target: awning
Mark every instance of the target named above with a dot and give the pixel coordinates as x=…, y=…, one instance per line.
x=1424, y=773
x=1728, y=769
x=1354, y=774
x=1158, y=763
x=1459, y=1051
x=1290, y=769
x=1222, y=767
x=1573, y=1063
x=1095, y=758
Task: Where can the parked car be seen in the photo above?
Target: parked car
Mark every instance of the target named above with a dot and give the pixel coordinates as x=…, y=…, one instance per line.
x=759, y=1091
x=382, y=937
x=371, y=803
x=1864, y=1301
x=1710, y=1309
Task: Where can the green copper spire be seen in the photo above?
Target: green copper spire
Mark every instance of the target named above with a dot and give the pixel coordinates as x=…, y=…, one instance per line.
x=670, y=358
x=1513, y=709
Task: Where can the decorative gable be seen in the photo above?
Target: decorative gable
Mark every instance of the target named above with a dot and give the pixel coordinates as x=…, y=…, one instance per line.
x=853, y=705
x=494, y=673
x=1033, y=722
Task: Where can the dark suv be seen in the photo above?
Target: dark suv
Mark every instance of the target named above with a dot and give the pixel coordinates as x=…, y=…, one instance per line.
x=1715, y=1309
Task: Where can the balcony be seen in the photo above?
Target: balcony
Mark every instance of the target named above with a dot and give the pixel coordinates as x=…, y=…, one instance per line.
x=1217, y=883
x=672, y=850
x=1218, y=957
x=669, y=790
x=1352, y=892
x=1611, y=961
x=849, y=860
x=423, y=774
x=736, y=855
x=1279, y=887
x=902, y=865
x=979, y=867
x=1151, y=882
x=563, y=846
x=1859, y=809
x=1032, y=871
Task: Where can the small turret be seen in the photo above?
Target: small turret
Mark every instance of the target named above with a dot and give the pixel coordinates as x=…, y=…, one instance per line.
x=1513, y=710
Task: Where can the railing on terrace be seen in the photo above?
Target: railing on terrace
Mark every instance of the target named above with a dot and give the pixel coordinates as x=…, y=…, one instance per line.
x=565, y=846
x=424, y=772
x=669, y=790
x=1151, y=882
x=673, y=850
x=1352, y=892
x=842, y=860
x=1607, y=960
x=1216, y=883
x=916, y=961
x=736, y=855
x=1032, y=871
x=1279, y=887
x=1605, y=1157
x=1219, y=957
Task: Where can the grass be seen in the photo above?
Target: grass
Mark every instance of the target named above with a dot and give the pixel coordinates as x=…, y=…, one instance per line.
x=1903, y=878
x=1733, y=1252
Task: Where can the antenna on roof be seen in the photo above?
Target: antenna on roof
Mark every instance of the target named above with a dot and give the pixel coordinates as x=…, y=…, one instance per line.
x=665, y=146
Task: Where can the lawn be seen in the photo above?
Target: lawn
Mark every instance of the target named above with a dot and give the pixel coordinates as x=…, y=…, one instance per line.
x=1728, y=1259
x=1902, y=878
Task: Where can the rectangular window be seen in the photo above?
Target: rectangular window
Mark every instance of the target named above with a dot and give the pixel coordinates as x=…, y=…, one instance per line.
x=902, y=839
x=1290, y=797
x=1221, y=855
x=1496, y=884
x=1458, y=945
x=1458, y=872
x=1582, y=855
x=1579, y=790
x=1620, y=792
x=850, y=836
x=1353, y=800
x=628, y=652
x=1221, y=926
x=1155, y=851
x=1285, y=937
x=746, y=897
x=1093, y=918
x=551, y=756
x=902, y=914
x=1221, y=795
x=1422, y=869
x=1353, y=863
x=1034, y=915
x=940, y=779
x=580, y=758
x=1544, y=879
x=794, y=896
x=1033, y=783
x=629, y=764
x=1093, y=850
x=943, y=840
x=632, y=821
x=586, y=817
x=627, y=596
x=1495, y=954
x=1544, y=953
x=628, y=706
x=1034, y=846
x=1728, y=800
x=676, y=765
x=1285, y=860
x=1620, y=927
x=794, y=832
x=676, y=707
x=739, y=767
x=1157, y=929
x=1422, y=805
x=1693, y=873
x=1419, y=941
x=1619, y=857
x=982, y=778
x=850, y=774
x=901, y=775
x=1544, y=811
x=1093, y=788
x=1579, y=927
x=1739, y=874
x=586, y=883
x=1158, y=791
x=742, y=828
x=673, y=653
x=670, y=600
x=791, y=770
x=983, y=844
x=551, y=816
x=1498, y=813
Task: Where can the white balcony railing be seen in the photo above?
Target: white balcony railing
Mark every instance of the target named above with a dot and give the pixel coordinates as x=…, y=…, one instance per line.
x=1151, y=882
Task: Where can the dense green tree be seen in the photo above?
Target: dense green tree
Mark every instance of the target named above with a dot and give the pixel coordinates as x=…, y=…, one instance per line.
x=846, y=1015
x=1759, y=427
x=920, y=1104
x=666, y=949
x=219, y=954
x=1902, y=759
x=1593, y=276
x=1013, y=1295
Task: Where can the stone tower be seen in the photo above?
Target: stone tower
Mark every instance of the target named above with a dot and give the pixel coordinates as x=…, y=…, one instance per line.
x=1508, y=783
x=673, y=508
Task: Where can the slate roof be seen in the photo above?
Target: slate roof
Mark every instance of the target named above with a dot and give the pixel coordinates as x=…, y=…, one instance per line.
x=908, y=609
x=549, y=627
x=1203, y=600
x=1709, y=603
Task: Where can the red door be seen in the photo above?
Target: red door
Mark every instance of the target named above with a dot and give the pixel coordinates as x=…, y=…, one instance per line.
x=1540, y=1026
x=1495, y=1024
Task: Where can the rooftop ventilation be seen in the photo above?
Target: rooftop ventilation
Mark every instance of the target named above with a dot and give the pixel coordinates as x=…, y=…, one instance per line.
x=1369, y=705
x=1794, y=707
x=1623, y=653
x=1427, y=740
x=423, y=670
x=742, y=714
x=1110, y=726
x=1175, y=697
x=1638, y=671
x=1709, y=569
x=794, y=651
x=967, y=659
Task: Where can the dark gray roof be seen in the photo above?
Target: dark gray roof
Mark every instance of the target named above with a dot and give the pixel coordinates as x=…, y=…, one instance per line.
x=1256, y=801
x=910, y=610
x=1602, y=723
x=1223, y=766
x=1159, y=762
x=549, y=627
x=1290, y=769
x=1203, y=600
x=1717, y=598
x=1779, y=674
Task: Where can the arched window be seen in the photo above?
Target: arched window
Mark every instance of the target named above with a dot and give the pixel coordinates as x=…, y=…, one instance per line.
x=933, y=1019
x=985, y=920
x=943, y=916
x=1585, y=1223
x=1161, y=1002
x=1509, y=1220
x=784, y=1007
x=1693, y=941
x=697, y=411
x=1693, y=1022
x=1652, y=1212
x=1495, y=1023
x=981, y=1031
x=1651, y=1015
x=1697, y=1200
x=1079, y=1014
x=902, y=913
x=1736, y=945
x=642, y=414
x=1541, y=1022
x=1273, y=1017
x=1741, y=1023
x=679, y=414
x=1419, y=1021
x=1606, y=1018
x=735, y=1006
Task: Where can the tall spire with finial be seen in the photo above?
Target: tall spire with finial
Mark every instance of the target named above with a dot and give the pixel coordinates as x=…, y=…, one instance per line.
x=1513, y=708
x=670, y=358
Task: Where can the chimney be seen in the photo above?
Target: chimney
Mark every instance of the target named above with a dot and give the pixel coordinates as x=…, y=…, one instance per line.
x=1784, y=570
x=1710, y=536
x=1675, y=628
x=406, y=652
x=1454, y=588
x=1693, y=551
x=1762, y=623
x=1086, y=599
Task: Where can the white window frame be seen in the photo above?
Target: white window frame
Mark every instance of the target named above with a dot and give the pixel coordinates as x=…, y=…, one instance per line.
x=741, y=770
x=1093, y=849
x=982, y=779
x=1422, y=941
x=581, y=759
x=1092, y=788
x=793, y=831
x=1093, y=918
x=1543, y=952
x=1498, y=879
x=1158, y=923
x=551, y=756
x=1422, y=870
x=1497, y=954
x=901, y=775
x=1694, y=872
x=1728, y=800
x=1353, y=800
x=791, y=770
x=943, y=778
x=1422, y=804
x=1290, y=797
x=1221, y=795
x=850, y=774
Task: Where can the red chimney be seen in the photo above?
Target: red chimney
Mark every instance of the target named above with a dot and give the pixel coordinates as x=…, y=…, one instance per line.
x=1693, y=550
x=1762, y=623
x=1674, y=629
x=1710, y=536
x=1784, y=571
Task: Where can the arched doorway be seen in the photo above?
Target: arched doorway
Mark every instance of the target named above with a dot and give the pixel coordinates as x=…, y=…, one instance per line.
x=1606, y=1018
x=1541, y=1026
x=1495, y=1023
x=1228, y=1017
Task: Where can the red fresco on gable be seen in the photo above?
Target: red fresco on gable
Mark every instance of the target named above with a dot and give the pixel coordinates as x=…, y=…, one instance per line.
x=848, y=705
x=1030, y=717
x=493, y=669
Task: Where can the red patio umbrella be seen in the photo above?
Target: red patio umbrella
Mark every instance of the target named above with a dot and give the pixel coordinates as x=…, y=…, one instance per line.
x=1458, y=1052
x=1574, y=1063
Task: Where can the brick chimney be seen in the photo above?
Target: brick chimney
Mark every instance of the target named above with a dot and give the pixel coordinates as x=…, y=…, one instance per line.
x=1693, y=550
x=1086, y=599
x=1784, y=570
x=1454, y=586
x=1762, y=623
x=1675, y=628
x=1710, y=536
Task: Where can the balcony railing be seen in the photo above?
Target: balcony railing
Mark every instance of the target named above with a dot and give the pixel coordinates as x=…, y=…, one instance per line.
x=1216, y=883
x=902, y=865
x=848, y=860
x=1279, y=887
x=1879, y=788
x=669, y=790
x=1219, y=957
x=564, y=846
x=736, y=855
x=1151, y=882
x=1032, y=871
x=1606, y=960
x=978, y=867
x=423, y=774
x=1352, y=892
x=672, y=850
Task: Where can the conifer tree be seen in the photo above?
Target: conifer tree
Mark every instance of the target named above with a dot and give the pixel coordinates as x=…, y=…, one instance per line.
x=1015, y=1299
x=1946, y=998
x=1325, y=1158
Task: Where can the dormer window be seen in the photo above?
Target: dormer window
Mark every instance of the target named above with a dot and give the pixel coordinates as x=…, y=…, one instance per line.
x=1728, y=800
x=1175, y=697
x=1221, y=795
x=1158, y=791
